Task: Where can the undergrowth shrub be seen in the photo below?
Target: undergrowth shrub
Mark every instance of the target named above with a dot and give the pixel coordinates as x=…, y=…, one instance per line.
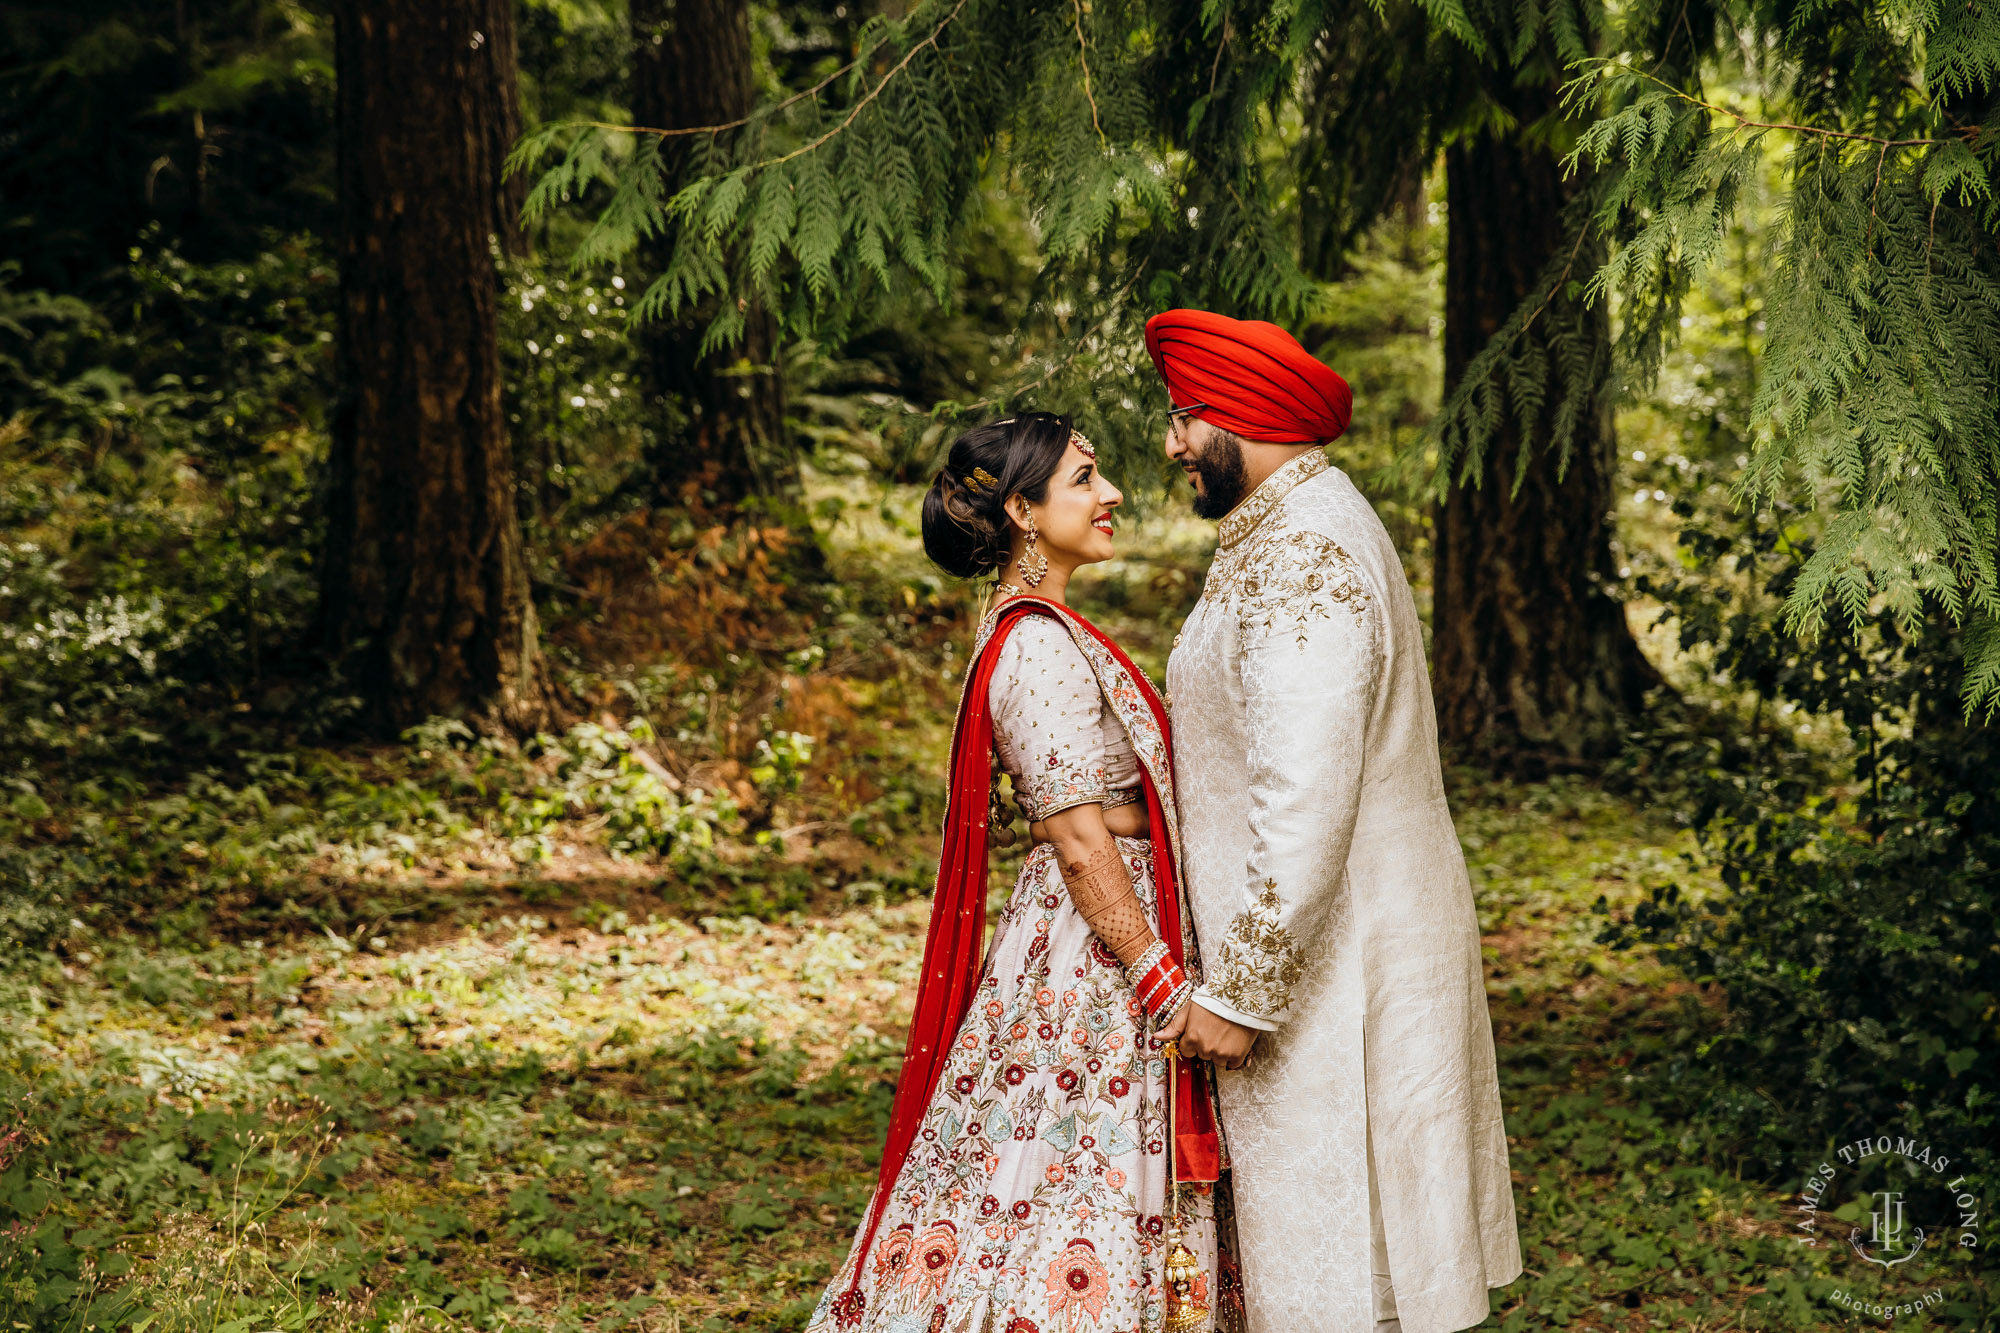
x=1855, y=939
x=35, y=891
x=639, y=805
x=156, y=521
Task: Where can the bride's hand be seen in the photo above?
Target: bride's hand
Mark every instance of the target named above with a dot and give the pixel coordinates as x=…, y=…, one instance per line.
x=1172, y=1029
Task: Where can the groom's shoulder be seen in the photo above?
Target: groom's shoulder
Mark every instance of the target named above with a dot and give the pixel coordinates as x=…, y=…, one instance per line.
x=1327, y=519
x=1333, y=506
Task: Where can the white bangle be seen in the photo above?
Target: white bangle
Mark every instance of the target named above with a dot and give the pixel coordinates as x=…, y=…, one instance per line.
x=1144, y=962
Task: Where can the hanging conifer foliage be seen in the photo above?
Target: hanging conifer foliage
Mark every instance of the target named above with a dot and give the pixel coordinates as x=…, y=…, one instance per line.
x=1130, y=129
x=819, y=205
x=1880, y=397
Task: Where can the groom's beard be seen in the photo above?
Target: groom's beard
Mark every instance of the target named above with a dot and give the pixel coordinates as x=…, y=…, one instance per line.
x=1223, y=477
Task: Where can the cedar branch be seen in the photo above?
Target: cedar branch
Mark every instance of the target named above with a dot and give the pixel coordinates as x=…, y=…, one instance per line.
x=873, y=93
x=737, y=124
x=796, y=98
x=1083, y=59
x=1821, y=131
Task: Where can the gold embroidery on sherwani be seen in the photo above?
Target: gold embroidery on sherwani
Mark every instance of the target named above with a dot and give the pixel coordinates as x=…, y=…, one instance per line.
x=1258, y=963
x=1239, y=522
x=1232, y=554
x=1294, y=581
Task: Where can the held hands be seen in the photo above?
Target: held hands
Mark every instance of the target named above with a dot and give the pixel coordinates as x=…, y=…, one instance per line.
x=1100, y=886
x=1206, y=1036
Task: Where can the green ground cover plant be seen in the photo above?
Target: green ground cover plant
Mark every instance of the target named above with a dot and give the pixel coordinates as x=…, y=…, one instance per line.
x=614, y=1113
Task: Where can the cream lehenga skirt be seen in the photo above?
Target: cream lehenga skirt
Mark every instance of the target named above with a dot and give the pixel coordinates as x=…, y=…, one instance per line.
x=1033, y=1200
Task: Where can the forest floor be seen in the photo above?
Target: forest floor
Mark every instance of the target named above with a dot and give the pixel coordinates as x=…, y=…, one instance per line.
x=589, y=1106
x=487, y=1065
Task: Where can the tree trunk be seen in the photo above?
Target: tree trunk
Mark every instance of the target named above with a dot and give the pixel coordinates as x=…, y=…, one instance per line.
x=499, y=75
x=691, y=67
x=1532, y=660
x=424, y=586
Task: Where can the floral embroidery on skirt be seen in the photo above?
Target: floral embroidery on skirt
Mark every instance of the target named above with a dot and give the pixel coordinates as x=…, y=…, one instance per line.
x=1033, y=1200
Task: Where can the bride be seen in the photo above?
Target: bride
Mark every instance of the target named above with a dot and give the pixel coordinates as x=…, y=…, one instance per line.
x=1024, y=1185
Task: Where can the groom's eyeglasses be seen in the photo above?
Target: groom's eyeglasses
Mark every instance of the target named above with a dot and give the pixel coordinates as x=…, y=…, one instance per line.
x=1174, y=415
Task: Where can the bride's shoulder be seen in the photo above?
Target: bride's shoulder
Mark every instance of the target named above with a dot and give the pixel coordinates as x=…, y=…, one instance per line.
x=1041, y=645
x=1041, y=636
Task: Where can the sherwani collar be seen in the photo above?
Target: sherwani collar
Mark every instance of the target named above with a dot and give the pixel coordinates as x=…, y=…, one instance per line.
x=1255, y=507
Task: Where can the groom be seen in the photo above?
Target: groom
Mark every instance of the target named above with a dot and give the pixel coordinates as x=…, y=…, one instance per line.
x=1343, y=997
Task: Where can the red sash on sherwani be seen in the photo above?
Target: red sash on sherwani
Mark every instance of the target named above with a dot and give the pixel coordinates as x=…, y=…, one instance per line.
x=954, y=951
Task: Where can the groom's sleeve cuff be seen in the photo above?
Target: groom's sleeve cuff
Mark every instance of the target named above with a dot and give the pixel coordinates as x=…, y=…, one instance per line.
x=1230, y=1012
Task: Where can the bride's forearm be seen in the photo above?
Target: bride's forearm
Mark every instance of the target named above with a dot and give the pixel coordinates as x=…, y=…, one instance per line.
x=1098, y=881
x=1122, y=821
x=1101, y=887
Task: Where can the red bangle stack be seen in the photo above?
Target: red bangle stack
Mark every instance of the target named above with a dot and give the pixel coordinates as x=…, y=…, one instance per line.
x=1160, y=983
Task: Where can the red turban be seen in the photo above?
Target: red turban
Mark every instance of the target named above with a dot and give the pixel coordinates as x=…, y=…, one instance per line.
x=1256, y=379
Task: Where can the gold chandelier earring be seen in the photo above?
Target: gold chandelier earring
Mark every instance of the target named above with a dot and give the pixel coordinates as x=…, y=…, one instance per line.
x=1032, y=564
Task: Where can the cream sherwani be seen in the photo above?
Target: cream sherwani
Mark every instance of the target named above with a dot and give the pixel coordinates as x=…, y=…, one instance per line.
x=1333, y=910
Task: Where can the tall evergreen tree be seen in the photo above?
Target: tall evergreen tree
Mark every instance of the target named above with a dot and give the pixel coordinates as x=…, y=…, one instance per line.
x=691, y=68
x=424, y=584
x=1531, y=652
x=1532, y=657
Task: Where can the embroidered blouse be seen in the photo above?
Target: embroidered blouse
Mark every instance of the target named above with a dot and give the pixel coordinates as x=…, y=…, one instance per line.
x=1057, y=737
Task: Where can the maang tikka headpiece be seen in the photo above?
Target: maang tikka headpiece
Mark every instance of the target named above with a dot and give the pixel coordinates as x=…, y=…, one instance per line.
x=1083, y=445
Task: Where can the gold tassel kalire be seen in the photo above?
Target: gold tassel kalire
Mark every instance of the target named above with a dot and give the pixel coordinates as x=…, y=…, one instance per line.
x=1187, y=1311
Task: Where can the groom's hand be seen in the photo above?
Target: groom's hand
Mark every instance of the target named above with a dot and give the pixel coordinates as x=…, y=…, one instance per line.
x=1211, y=1037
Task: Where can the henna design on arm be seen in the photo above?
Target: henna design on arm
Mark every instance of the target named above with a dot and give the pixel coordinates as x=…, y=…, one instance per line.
x=1101, y=887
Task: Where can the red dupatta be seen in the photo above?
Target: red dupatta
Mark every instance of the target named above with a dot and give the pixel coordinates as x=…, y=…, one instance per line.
x=954, y=952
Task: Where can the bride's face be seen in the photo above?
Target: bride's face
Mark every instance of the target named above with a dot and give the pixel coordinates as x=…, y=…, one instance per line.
x=1074, y=518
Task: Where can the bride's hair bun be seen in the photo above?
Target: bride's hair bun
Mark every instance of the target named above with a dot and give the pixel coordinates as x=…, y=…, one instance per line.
x=966, y=528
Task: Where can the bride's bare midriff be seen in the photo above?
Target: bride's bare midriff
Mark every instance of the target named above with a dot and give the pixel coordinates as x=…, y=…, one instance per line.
x=1123, y=821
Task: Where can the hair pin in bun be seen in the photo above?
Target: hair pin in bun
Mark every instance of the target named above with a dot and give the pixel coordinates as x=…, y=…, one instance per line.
x=979, y=480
